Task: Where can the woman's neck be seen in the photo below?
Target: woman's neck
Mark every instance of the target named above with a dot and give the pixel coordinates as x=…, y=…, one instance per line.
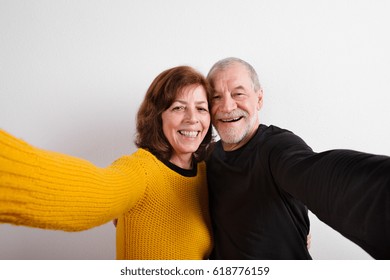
x=182, y=162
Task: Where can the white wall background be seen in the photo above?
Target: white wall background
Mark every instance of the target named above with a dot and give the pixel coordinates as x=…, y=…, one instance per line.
x=73, y=73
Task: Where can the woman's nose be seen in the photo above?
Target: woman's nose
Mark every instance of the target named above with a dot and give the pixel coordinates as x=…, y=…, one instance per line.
x=191, y=116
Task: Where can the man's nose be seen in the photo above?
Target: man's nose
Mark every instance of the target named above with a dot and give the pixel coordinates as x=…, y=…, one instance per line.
x=228, y=104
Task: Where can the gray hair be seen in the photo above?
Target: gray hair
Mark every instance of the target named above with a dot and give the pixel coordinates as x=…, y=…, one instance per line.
x=226, y=62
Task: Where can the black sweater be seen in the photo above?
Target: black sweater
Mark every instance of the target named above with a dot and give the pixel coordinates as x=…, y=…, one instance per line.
x=258, y=195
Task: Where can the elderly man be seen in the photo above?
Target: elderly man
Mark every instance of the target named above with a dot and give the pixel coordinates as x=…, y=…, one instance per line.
x=261, y=178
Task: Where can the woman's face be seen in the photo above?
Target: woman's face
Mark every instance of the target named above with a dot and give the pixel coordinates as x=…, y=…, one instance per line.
x=185, y=123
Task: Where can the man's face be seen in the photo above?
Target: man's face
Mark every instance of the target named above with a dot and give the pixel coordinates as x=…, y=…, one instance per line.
x=235, y=105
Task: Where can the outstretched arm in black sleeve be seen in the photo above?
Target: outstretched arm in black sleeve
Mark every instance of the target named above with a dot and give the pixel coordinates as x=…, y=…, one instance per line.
x=347, y=190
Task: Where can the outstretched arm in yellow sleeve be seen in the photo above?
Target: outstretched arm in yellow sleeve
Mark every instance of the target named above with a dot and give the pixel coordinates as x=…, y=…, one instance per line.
x=45, y=189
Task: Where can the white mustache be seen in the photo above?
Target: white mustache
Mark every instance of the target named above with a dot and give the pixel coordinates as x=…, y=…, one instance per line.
x=231, y=115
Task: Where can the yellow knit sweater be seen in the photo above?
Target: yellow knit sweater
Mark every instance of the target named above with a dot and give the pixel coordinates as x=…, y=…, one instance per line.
x=162, y=214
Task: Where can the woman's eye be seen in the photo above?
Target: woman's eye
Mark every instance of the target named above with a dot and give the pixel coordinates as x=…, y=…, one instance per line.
x=178, y=108
x=203, y=109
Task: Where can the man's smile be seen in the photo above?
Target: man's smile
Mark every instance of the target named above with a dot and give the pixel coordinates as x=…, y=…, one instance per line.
x=231, y=119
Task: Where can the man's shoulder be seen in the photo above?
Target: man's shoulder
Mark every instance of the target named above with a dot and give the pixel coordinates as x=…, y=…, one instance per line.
x=266, y=132
x=282, y=140
x=274, y=129
x=274, y=135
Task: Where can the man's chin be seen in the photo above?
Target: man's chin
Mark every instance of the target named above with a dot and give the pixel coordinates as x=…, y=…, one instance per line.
x=230, y=138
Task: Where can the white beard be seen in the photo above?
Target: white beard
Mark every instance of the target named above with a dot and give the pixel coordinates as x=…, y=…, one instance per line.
x=235, y=134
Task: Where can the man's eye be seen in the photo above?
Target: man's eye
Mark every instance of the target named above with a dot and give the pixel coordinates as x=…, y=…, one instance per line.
x=238, y=95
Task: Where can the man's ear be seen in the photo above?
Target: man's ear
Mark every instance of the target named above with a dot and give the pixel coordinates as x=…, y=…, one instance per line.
x=259, y=99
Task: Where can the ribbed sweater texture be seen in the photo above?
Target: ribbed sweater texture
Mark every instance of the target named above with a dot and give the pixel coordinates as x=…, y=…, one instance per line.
x=161, y=213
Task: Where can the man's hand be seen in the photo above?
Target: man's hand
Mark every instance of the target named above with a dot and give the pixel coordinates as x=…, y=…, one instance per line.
x=308, y=242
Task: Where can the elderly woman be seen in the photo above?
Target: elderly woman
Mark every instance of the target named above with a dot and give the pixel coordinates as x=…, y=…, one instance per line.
x=158, y=194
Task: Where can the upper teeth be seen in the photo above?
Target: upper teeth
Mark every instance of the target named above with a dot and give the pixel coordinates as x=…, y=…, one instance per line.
x=231, y=120
x=189, y=133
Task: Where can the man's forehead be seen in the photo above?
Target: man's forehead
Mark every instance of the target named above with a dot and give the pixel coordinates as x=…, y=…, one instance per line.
x=231, y=80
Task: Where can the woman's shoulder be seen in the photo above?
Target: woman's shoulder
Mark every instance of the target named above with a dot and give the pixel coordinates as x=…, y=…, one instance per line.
x=141, y=158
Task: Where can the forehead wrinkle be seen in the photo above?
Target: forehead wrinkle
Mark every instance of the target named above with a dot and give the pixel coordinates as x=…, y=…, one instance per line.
x=239, y=87
x=185, y=102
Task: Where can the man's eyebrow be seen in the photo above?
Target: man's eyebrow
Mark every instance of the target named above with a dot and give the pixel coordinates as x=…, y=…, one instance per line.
x=239, y=87
x=235, y=88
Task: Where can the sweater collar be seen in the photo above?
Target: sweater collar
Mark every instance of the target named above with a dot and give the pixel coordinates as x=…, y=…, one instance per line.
x=184, y=172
